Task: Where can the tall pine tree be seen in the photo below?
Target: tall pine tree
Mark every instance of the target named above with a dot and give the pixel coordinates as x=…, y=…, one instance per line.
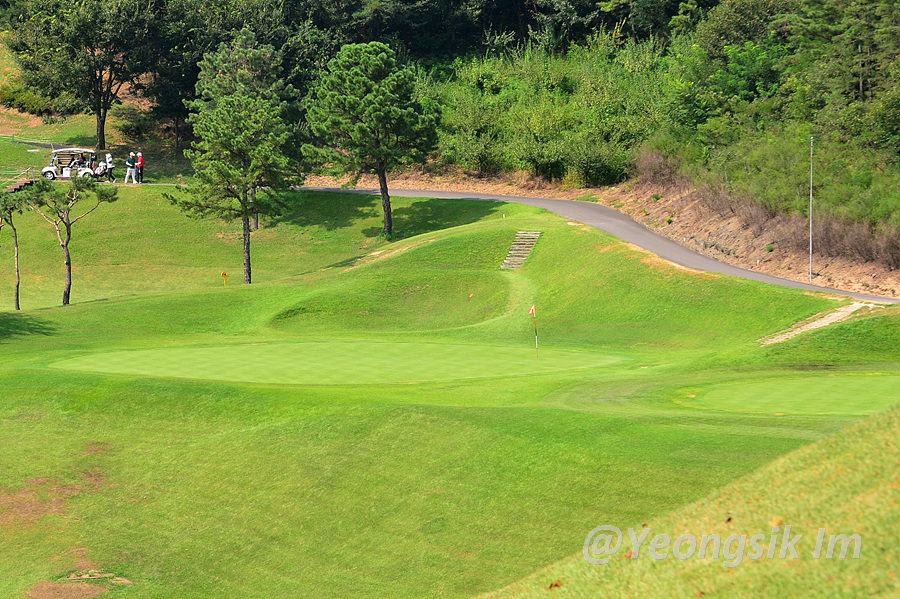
x=238, y=116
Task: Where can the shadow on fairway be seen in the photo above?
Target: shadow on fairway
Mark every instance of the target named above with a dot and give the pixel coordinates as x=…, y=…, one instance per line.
x=83, y=141
x=334, y=210
x=329, y=210
x=17, y=325
x=430, y=215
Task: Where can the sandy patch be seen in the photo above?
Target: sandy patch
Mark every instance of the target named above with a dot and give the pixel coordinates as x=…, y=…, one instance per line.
x=42, y=497
x=97, y=447
x=82, y=561
x=27, y=506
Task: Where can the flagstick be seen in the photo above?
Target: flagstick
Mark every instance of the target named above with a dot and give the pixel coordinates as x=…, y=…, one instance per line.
x=535, y=336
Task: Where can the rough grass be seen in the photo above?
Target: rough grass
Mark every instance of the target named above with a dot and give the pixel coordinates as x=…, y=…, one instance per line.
x=845, y=484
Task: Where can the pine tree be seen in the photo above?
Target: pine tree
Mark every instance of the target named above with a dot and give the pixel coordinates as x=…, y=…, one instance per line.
x=367, y=118
x=238, y=116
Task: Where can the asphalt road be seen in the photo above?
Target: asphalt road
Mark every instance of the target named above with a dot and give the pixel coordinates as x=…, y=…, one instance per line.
x=618, y=225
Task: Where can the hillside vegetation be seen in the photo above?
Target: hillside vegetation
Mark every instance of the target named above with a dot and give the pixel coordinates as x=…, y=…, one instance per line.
x=727, y=95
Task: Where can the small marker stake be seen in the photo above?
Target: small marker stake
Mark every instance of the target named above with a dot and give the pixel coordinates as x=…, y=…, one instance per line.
x=225, y=279
x=533, y=312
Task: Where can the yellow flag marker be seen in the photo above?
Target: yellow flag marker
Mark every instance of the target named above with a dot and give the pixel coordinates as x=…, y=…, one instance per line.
x=225, y=278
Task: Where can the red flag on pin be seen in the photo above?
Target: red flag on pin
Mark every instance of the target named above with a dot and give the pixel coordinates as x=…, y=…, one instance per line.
x=532, y=311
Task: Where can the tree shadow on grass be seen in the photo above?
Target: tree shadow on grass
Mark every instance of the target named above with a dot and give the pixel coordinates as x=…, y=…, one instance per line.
x=18, y=325
x=82, y=141
x=430, y=215
x=330, y=210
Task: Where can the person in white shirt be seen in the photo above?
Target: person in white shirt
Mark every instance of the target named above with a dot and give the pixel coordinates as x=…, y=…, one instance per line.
x=109, y=168
x=130, y=168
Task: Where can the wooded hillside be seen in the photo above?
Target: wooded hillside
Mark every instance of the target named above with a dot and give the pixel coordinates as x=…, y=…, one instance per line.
x=725, y=94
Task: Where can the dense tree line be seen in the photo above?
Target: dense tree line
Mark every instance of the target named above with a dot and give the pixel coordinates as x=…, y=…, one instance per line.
x=727, y=93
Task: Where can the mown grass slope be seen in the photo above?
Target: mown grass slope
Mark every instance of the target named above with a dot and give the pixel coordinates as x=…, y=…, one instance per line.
x=845, y=485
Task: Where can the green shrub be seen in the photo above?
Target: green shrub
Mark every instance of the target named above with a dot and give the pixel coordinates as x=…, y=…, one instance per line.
x=135, y=123
x=597, y=162
x=26, y=99
x=66, y=104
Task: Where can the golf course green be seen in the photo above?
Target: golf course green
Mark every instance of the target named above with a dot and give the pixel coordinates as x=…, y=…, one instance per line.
x=369, y=419
x=336, y=363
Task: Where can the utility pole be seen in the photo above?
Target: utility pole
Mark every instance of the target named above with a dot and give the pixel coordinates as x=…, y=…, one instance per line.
x=811, y=138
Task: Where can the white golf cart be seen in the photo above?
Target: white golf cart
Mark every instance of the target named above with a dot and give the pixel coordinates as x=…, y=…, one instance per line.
x=66, y=163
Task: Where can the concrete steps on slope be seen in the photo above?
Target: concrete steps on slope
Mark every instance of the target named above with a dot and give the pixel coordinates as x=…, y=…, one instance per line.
x=520, y=249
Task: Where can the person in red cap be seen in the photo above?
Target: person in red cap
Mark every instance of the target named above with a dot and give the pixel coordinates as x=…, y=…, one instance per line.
x=139, y=167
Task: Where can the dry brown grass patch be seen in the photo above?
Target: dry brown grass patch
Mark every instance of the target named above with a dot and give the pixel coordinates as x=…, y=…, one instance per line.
x=97, y=447
x=64, y=590
x=27, y=506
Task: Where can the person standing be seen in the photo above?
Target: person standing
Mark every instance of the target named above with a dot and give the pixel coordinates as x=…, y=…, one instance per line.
x=139, y=167
x=130, y=165
x=110, y=178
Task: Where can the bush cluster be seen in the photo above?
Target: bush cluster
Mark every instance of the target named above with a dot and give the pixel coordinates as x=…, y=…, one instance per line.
x=576, y=117
x=28, y=99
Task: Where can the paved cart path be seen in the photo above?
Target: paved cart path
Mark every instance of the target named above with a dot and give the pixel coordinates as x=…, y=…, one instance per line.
x=619, y=225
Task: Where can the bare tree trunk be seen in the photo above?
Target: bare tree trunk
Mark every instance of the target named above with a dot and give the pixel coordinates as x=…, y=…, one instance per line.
x=385, y=200
x=67, y=291
x=68, y=288
x=101, y=129
x=254, y=224
x=245, y=219
x=16, y=254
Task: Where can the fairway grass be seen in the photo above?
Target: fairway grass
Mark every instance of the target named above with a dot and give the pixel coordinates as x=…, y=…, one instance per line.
x=848, y=394
x=369, y=418
x=337, y=363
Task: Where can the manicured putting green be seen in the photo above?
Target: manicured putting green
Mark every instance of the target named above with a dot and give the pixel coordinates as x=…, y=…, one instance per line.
x=836, y=394
x=335, y=363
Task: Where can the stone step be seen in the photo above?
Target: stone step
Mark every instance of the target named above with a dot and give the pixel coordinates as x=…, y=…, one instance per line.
x=520, y=249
